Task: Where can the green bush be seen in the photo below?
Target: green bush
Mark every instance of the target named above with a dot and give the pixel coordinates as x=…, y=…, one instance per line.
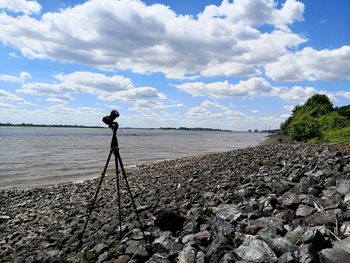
x=317, y=121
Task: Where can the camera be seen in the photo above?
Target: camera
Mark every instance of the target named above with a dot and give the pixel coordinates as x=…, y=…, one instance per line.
x=109, y=119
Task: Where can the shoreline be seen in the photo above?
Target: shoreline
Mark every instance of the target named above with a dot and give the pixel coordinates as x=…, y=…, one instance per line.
x=259, y=204
x=268, y=139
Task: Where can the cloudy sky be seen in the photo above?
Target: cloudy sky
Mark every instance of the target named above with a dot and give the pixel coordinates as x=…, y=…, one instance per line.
x=236, y=65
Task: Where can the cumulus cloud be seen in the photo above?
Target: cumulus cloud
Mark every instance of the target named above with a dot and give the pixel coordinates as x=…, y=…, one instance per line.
x=104, y=87
x=23, y=77
x=11, y=99
x=244, y=88
x=21, y=6
x=120, y=35
x=212, y=109
x=311, y=64
x=252, y=87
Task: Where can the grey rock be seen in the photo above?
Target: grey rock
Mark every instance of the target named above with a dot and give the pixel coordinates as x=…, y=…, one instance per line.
x=187, y=255
x=304, y=210
x=307, y=254
x=314, y=236
x=255, y=250
x=289, y=199
x=131, y=247
x=287, y=257
x=333, y=255
x=228, y=212
x=103, y=257
x=343, y=186
x=345, y=228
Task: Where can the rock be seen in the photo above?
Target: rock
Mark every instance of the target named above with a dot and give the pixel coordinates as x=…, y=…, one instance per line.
x=307, y=254
x=333, y=255
x=345, y=228
x=343, y=186
x=304, y=210
x=102, y=257
x=324, y=217
x=123, y=259
x=287, y=258
x=100, y=248
x=289, y=199
x=254, y=250
x=165, y=244
x=169, y=220
x=346, y=197
x=187, y=238
x=277, y=243
x=218, y=248
x=223, y=227
x=228, y=258
x=131, y=247
x=343, y=244
x=228, y=212
x=314, y=236
x=203, y=238
x=187, y=255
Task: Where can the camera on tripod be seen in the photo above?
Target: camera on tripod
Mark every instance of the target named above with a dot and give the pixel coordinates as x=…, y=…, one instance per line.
x=110, y=119
x=114, y=149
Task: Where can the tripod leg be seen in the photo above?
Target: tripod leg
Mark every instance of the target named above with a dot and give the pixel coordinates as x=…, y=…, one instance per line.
x=118, y=190
x=131, y=197
x=93, y=202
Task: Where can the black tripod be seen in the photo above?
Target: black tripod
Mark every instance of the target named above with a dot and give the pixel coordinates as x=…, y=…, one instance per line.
x=114, y=150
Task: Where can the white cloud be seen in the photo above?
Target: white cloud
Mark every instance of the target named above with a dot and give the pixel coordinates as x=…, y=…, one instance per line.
x=252, y=87
x=9, y=98
x=23, y=77
x=345, y=94
x=104, y=87
x=127, y=34
x=297, y=93
x=311, y=64
x=21, y=6
x=211, y=109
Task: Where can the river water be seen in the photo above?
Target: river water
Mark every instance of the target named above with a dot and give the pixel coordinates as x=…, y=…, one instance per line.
x=32, y=156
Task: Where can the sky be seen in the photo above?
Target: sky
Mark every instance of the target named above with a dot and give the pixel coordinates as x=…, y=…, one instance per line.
x=238, y=65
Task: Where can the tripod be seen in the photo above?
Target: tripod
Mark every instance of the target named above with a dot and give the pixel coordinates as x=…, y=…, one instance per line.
x=113, y=150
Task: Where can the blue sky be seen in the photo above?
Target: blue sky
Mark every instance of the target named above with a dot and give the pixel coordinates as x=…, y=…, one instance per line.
x=235, y=65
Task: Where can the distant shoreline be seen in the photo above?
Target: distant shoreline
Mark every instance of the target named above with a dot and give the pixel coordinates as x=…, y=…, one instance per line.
x=100, y=127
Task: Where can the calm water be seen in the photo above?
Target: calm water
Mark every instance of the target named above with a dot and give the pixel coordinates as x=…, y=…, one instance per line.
x=37, y=156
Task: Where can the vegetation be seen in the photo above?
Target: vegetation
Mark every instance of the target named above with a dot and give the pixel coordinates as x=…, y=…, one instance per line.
x=318, y=121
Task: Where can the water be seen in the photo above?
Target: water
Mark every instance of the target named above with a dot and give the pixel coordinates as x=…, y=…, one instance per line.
x=38, y=156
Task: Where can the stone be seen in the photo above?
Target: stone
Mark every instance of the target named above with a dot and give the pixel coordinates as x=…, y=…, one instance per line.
x=333, y=255
x=289, y=199
x=324, y=217
x=343, y=244
x=314, y=236
x=187, y=255
x=345, y=228
x=304, y=210
x=287, y=258
x=307, y=254
x=219, y=247
x=131, y=247
x=343, y=186
x=123, y=259
x=223, y=227
x=103, y=257
x=169, y=220
x=203, y=238
x=228, y=212
x=255, y=250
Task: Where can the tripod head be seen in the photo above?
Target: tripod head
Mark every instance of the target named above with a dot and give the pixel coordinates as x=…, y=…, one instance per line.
x=109, y=120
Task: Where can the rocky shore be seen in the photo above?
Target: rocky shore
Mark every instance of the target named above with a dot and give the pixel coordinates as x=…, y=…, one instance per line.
x=276, y=202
